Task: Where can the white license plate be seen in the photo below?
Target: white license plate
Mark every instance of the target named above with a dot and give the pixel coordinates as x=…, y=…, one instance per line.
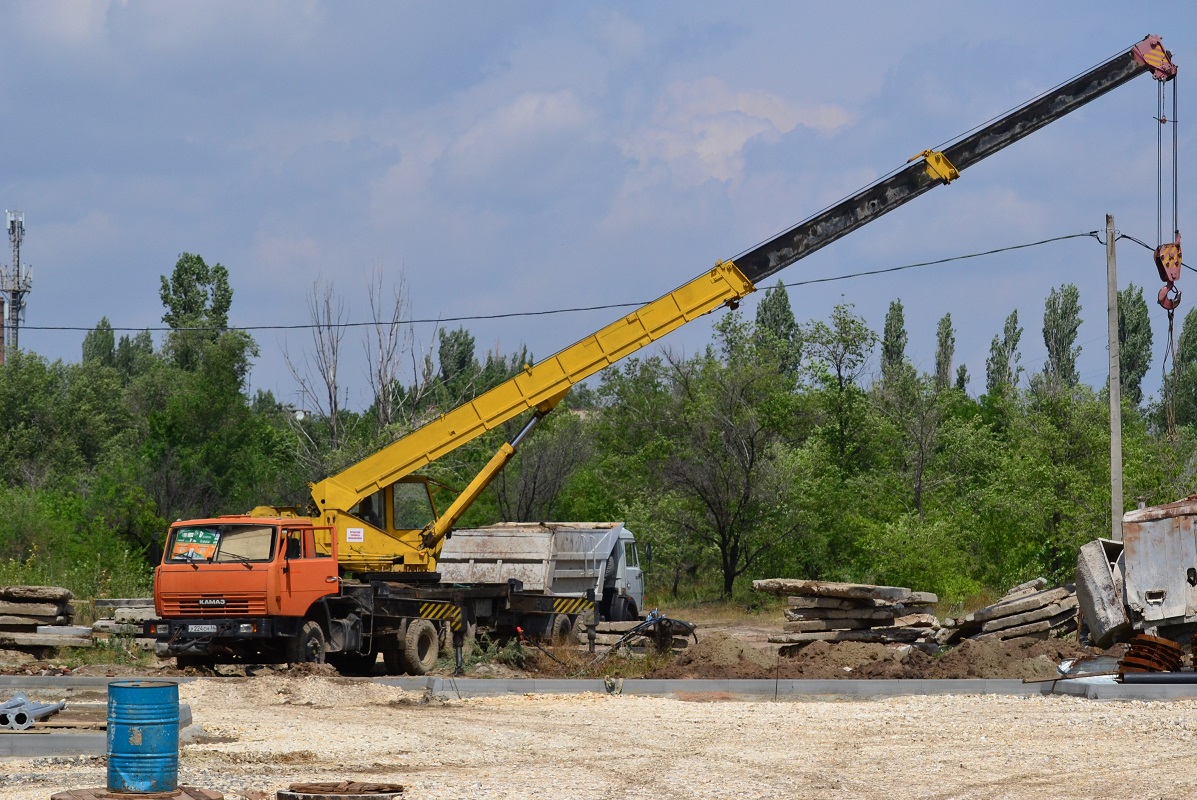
x=201, y=629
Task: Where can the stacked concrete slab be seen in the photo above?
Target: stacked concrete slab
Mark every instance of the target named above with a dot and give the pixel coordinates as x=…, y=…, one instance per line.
x=123, y=617
x=1029, y=611
x=33, y=618
x=851, y=612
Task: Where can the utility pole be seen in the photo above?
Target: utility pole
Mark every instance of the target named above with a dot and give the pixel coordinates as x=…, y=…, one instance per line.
x=15, y=283
x=1115, y=386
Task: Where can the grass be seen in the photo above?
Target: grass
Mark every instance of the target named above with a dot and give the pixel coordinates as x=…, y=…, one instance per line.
x=120, y=650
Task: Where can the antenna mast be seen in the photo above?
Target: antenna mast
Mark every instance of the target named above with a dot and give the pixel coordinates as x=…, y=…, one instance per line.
x=15, y=283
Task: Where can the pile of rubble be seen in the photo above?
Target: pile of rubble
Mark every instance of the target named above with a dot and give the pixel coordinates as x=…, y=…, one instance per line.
x=34, y=618
x=852, y=612
x=1028, y=611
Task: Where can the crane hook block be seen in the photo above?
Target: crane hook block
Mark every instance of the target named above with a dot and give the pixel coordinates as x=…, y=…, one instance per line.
x=1151, y=53
x=937, y=165
x=1168, y=259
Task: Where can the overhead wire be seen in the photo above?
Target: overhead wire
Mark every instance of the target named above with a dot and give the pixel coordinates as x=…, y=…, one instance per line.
x=609, y=306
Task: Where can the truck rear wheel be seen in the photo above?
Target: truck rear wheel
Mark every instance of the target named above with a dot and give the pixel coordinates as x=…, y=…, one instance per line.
x=308, y=646
x=561, y=630
x=421, y=647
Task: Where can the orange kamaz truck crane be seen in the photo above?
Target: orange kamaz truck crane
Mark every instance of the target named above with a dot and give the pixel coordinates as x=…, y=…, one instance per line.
x=356, y=573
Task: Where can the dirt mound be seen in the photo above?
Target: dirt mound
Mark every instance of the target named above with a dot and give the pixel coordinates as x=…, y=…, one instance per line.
x=717, y=655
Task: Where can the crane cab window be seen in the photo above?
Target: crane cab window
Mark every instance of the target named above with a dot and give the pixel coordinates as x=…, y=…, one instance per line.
x=413, y=506
x=371, y=510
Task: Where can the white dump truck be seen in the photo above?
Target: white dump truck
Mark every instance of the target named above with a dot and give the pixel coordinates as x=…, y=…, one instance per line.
x=561, y=559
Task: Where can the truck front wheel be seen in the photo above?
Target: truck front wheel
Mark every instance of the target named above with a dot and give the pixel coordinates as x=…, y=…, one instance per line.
x=308, y=646
x=421, y=647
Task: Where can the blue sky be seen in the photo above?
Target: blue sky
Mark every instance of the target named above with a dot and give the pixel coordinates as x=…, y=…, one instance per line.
x=519, y=156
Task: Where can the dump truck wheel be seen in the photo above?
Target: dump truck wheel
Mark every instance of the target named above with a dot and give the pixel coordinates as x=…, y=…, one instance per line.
x=308, y=646
x=561, y=630
x=421, y=647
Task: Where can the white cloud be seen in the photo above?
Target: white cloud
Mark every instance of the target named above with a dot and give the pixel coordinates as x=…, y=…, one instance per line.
x=701, y=129
x=514, y=130
x=69, y=22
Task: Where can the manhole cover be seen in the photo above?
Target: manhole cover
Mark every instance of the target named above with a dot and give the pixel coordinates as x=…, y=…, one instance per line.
x=341, y=790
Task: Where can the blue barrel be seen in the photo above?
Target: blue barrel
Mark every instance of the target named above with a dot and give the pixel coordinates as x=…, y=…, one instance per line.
x=143, y=736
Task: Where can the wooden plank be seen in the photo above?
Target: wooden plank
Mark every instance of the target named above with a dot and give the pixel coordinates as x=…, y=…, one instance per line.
x=1047, y=612
x=857, y=591
x=55, y=594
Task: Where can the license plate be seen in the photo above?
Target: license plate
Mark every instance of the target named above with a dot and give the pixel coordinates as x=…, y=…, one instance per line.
x=201, y=629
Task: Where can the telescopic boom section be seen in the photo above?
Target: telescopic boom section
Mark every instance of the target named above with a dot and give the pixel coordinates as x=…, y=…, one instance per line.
x=538, y=387
x=541, y=387
x=887, y=194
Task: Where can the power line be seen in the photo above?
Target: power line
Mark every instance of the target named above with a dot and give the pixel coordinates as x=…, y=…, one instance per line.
x=580, y=309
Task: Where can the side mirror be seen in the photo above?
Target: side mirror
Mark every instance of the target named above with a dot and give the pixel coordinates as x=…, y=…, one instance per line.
x=648, y=552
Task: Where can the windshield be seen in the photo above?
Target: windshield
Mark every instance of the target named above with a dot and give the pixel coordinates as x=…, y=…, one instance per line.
x=221, y=543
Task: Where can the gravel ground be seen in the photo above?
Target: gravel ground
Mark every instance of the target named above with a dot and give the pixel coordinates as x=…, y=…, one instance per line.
x=267, y=732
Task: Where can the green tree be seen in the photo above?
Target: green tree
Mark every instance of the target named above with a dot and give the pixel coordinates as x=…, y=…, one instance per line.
x=775, y=319
x=838, y=354
x=1061, y=321
x=893, y=340
x=197, y=298
x=945, y=349
x=134, y=355
x=1134, y=342
x=713, y=449
x=99, y=345
x=1001, y=368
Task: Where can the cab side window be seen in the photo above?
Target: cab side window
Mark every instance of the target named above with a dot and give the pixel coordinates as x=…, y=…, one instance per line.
x=371, y=510
x=629, y=554
x=293, y=544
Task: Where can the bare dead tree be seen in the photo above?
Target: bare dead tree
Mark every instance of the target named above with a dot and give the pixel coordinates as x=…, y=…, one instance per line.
x=529, y=488
x=387, y=341
x=327, y=313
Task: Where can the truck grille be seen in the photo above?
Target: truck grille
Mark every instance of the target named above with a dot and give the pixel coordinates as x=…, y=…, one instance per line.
x=189, y=605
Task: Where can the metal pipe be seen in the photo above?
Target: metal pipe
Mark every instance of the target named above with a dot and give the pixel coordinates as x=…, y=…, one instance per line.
x=1159, y=677
x=22, y=717
x=17, y=699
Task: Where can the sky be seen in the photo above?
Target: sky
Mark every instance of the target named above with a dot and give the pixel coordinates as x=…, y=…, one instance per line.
x=498, y=157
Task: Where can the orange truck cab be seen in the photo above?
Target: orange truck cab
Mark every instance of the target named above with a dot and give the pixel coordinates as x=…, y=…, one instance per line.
x=227, y=582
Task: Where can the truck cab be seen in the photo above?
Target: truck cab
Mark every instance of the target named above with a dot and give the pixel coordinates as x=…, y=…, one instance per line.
x=240, y=577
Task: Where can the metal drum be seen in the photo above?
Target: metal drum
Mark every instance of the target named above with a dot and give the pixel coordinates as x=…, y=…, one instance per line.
x=143, y=736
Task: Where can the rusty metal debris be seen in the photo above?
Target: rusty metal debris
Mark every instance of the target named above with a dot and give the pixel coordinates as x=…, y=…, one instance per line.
x=338, y=789
x=1151, y=654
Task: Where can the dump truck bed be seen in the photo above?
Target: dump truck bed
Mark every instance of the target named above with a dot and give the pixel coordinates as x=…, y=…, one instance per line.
x=564, y=558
